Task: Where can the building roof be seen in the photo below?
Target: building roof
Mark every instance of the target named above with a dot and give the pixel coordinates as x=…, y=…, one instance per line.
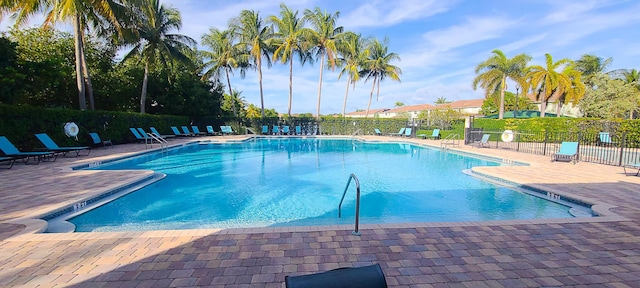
x=411, y=108
x=371, y=112
x=461, y=104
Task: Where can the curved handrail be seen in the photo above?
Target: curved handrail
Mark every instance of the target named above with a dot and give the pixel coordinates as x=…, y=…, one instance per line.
x=352, y=176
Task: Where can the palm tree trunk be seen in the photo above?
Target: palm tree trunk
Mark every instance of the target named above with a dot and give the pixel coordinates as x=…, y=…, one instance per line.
x=378, y=92
x=233, y=99
x=290, y=82
x=346, y=94
x=502, y=87
x=320, y=85
x=543, y=108
x=82, y=101
x=559, y=107
x=87, y=79
x=143, y=94
x=260, y=82
x=366, y=115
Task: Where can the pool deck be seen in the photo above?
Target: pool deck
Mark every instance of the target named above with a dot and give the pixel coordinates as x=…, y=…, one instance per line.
x=599, y=251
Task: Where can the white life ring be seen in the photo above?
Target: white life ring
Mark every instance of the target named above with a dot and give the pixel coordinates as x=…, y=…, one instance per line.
x=71, y=129
x=507, y=136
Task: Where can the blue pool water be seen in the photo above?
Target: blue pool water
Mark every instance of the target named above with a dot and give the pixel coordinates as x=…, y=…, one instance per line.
x=295, y=181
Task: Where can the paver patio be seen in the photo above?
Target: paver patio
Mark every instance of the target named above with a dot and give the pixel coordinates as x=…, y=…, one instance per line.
x=600, y=251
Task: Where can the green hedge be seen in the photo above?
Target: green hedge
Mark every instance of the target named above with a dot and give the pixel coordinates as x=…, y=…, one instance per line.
x=19, y=123
x=348, y=126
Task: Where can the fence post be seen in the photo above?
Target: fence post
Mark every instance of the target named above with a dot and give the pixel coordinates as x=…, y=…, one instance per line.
x=622, y=143
x=544, y=146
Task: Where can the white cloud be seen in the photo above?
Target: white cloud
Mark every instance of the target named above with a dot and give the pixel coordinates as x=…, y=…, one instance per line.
x=386, y=13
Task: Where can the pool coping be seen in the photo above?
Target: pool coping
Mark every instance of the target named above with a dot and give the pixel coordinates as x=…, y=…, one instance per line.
x=35, y=225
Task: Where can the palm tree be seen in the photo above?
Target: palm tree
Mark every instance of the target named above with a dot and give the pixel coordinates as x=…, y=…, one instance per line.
x=575, y=92
x=254, y=37
x=288, y=41
x=589, y=65
x=492, y=74
x=155, y=43
x=353, y=54
x=631, y=76
x=81, y=13
x=546, y=81
x=224, y=56
x=441, y=100
x=324, y=37
x=378, y=67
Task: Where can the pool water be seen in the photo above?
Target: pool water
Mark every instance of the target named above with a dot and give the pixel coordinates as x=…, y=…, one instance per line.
x=296, y=181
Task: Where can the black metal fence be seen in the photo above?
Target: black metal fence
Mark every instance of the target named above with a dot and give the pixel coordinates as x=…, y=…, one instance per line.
x=601, y=148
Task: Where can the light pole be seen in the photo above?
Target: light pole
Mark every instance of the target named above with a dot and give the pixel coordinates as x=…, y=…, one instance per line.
x=515, y=113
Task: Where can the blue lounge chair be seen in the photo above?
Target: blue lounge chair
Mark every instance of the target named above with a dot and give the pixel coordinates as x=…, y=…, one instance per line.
x=285, y=130
x=163, y=136
x=400, y=133
x=210, y=131
x=483, y=141
x=226, y=130
x=97, y=141
x=186, y=131
x=377, y=131
x=407, y=132
x=604, y=138
x=53, y=147
x=229, y=130
x=298, y=130
x=276, y=130
x=177, y=132
x=435, y=134
x=265, y=129
x=11, y=151
x=568, y=152
x=140, y=137
x=631, y=166
x=10, y=161
x=196, y=131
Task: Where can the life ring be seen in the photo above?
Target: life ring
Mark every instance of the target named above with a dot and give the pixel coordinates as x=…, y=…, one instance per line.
x=507, y=136
x=71, y=129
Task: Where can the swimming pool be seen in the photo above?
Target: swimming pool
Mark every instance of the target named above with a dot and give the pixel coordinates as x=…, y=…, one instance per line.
x=296, y=181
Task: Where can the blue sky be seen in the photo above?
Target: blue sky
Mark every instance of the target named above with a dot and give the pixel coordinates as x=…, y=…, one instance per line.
x=439, y=42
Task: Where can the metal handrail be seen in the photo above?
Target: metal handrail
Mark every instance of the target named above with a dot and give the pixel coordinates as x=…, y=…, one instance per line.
x=162, y=141
x=449, y=140
x=352, y=176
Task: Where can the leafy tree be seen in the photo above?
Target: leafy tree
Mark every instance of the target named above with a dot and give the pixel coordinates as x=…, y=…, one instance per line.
x=234, y=99
x=254, y=37
x=398, y=104
x=491, y=104
x=154, y=24
x=11, y=79
x=224, y=56
x=82, y=14
x=546, y=82
x=590, y=65
x=289, y=40
x=324, y=37
x=254, y=112
x=610, y=99
x=378, y=67
x=441, y=118
x=492, y=74
x=353, y=55
x=631, y=76
x=441, y=100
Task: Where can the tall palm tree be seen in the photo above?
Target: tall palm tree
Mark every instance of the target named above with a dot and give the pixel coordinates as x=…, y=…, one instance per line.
x=323, y=37
x=289, y=40
x=378, y=67
x=224, y=56
x=82, y=14
x=156, y=43
x=492, y=74
x=353, y=55
x=546, y=81
x=254, y=37
x=631, y=76
x=589, y=65
x=573, y=93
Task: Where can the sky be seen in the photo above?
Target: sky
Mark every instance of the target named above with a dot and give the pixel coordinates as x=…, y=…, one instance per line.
x=439, y=42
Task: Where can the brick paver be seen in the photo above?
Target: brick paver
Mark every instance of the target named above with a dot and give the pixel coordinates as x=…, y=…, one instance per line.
x=601, y=251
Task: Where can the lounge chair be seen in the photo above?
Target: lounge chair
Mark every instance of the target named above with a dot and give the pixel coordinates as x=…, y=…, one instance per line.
x=10, y=161
x=230, y=130
x=186, y=131
x=435, y=134
x=377, y=131
x=298, y=130
x=631, y=166
x=53, y=147
x=285, y=130
x=10, y=150
x=210, y=131
x=483, y=141
x=164, y=136
x=140, y=136
x=407, y=132
x=568, y=152
x=226, y=130
x=356, y=277
x=196, y=131
x=276, y=130
x=265, y=129
x=97, y=141
x=177, y=132
x=604, y=139
x=400, y=133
